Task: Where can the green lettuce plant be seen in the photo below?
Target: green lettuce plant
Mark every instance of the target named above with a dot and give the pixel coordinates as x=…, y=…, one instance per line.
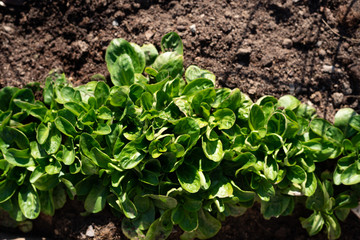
x=162, y=147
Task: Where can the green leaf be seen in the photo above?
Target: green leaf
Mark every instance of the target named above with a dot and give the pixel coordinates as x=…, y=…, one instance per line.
x=131, y=230
x=188, y=221
x=68, y=115
x=48, y=92
x=355, y=123
x=87, y=142
x=225, y=118
x=194, y=72
x=65, y=94
x=101, y=93
x=296, y=174
x=271, y=168
x=102, y=129
x=309, y=187
x=253, y=140
x=313, y=224
x=189, y=178
x=130, y=156
x=65, y=127
x=192, y=205
x=7, y=189
x=197, y=85
x=169, y=62
x=161, y=228
x=162, y=202
x=187, y=126
x=147, y=100
x=59, y=196
x=213, y=149
x=6, y=94
x=342, y=213
x=118, y=47
x=277, y=124
x=5, y=118
x=208, y=227
x=29, y=201
x=288, y=102
x=241, y=195
x=119, y=97
x=53, y=142
x=256, y=118
x=221, y=93
x=21, y=158
x=244, y=161
x=236, y=101
x=321, y=149
x=122, y=72
x=275, y=207
x=262, y=187
x=99, y=158
x=220, y=187
x=324, y=129
x=343, y=118
x=70, y=188
x=37, y=109
x=128, y=206
x=25, y=95
x=273, y=141
x=203, y=96
x=84, y=186
x=11, y=135
x=319, y=199
x=42, y=180
x=140, y=61
x=351, y=175
x=96, y=199
x=47, y=203
x=68, y=153
x=150, y=52
x=53, y=168
x=332, y=226
x=171, y=42
x=42, y=133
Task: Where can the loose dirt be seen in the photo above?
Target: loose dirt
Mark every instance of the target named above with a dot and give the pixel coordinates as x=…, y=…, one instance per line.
x=307, y=48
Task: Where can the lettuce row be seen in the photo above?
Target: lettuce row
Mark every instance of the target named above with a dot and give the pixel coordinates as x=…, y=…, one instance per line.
x=162, y=147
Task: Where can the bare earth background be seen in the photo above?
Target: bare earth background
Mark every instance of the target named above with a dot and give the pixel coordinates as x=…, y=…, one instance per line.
x=307, y=48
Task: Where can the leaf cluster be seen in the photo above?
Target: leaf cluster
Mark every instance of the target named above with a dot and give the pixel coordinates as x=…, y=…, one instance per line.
x=162, y=147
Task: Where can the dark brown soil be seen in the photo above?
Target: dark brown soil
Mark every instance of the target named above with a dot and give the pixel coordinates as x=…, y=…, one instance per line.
x=308, y=48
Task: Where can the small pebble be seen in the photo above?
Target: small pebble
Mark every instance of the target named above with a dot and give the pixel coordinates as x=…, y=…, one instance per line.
x=90, y=231
x=8, y=29
x=252, y=90
x=319, y=43
x=338, y=98
x=244, y=51
x=330, y=69
x=322, y=52
x=149, y=34
x=228, y=13
x=288, y=43
x=347, y=88
x=316, y=97
x=193, y=28
x=115, y=23
x=267, y=61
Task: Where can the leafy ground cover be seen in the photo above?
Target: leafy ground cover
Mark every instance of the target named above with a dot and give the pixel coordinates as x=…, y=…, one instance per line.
x=163, y=150
x=206, y=57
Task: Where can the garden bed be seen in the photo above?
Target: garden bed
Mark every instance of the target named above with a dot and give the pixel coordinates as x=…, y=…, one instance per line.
x=261, y=47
